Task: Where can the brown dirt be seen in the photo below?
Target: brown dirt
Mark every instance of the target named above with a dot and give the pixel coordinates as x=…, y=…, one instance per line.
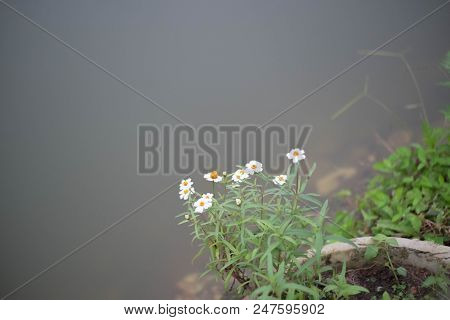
x=378, y=279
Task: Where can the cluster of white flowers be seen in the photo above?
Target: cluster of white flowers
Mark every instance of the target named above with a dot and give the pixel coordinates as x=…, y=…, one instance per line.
x=239, y=175
x=252, y=167
x=203, y=203
x=186, y=188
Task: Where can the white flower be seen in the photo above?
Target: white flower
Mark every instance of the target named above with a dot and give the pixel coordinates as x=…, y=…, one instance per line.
x=253, y=167
x=186, y=216
x=186, y=184
x=207, y=196
x=296, y=155
x=239, y=175
x=185, y=193
x=238, y=201
x=213, y=176
x=280, y=180
x=202, y=204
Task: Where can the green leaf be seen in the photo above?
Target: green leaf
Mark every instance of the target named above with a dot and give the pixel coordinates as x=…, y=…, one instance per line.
x=302, y=288
x=323, y=212
x=344, y=193
x=401, y=271
x=330, y=287
x=386, y=296
x=429, y=281
x=383, y=166
x=392, y=242
x=371, y=252
x=312, y=169
x=351, y=290
x=318, y=245
x=415, y=222
x=380, y=237
x=269, y=263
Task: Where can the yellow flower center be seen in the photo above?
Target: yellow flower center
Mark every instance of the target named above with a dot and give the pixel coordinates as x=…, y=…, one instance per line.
x=253, y=166
x=201, y=204
x=296, y=153
x=238, y=176
x=186, y=191
x=185, y=183
x=214, y=175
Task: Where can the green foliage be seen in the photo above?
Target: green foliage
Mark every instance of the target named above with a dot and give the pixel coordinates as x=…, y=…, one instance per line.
x=267, y=246
x=410, y=195
x=345, y=224
x=386, y=296
x=338, y=287
x=381, y=244
x=439, y=282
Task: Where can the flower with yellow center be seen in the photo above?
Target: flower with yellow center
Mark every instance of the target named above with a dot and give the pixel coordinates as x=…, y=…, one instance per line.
x=185, y=193
x=186, y=184
x=296, y=155
x=201, y=205
x=213, y=176
x=208, y=196
x=253, y=167
x=280, y=180
x=239, y=175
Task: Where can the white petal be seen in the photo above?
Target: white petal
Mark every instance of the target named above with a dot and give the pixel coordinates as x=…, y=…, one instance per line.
x=199, y=209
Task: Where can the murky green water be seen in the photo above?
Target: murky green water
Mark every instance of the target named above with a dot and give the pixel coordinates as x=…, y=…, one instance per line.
x=68, y=131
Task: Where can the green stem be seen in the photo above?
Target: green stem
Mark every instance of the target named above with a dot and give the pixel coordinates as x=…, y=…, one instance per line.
x=297, y=189
x=262, y=200
x=391, y=266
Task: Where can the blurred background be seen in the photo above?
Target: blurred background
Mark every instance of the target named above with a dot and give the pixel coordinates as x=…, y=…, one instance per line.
x=68, y=130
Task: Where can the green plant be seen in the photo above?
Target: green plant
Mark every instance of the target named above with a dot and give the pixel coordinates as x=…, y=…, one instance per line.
x=410, y=195
x=263, y=235
x=398, y=293
x=439, y=282
x=381, y=246
x=339, y=288
x=345, y=224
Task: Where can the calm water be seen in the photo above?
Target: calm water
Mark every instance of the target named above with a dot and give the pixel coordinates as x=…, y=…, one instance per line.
x=68, y=131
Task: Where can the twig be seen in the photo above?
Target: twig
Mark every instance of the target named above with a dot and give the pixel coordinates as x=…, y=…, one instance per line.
x=383, y=142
